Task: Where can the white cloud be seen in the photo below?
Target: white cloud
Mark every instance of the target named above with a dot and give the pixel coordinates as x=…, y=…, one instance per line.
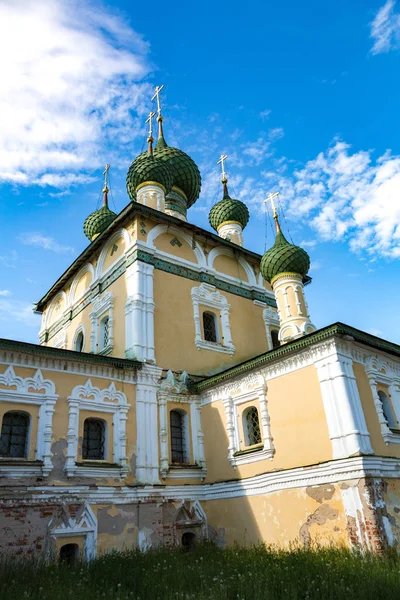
x=385, y=29
x=45, y=242
x=5, y=293
x=275, y=134
x=71, y=85
x=347, y=196
x=18, y=311
x=264, y=114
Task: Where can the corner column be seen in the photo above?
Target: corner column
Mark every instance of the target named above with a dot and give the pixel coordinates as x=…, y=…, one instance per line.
x=147, y=455
x=139, y=312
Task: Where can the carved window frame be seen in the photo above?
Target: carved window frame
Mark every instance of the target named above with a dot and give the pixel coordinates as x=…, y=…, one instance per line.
x=92, y=399
x=207, y=296
x=236, y=455
x=374, y=368
x=102, y=307
x=32, y=391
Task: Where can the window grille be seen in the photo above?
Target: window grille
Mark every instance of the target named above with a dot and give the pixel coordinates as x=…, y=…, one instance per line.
x=178, y=453
x=275, y=338
x=79, y=342
x=94, y=437
x=387, y=410
x=105, y=332
x=253, y=426
x=209, y=326
x=14, y=435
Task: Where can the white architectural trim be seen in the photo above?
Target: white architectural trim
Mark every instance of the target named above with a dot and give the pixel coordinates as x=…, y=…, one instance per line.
x=208, y=296
x=222, y=251
x=175, y=390
x=147, y=443
x=380, y=371
x=102, y=305
x=344, y=414
x=60, y=340
x=78, y=330
x=60, y=296
x=107, y=400
x=179, y=233
x=271, y=321
x=121, y=233
x=253, y=391
x=139, y=312
x=32, y=391
x=335, y=471
x=62, y=525
x=87, y=268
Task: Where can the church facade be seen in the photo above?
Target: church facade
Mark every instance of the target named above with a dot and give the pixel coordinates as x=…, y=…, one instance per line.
x=180, y=391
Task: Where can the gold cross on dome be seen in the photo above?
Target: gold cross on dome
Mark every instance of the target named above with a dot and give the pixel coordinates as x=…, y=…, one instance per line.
x=270, y=198
x=150, y=121
x=157, y=95
x=105, y=173
x=221, y=162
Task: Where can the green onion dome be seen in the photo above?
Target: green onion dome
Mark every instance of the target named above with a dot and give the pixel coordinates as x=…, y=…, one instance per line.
x=283, y=257
x=146, y=168
x=186, y=175
x=98, y=221
x=228, y=209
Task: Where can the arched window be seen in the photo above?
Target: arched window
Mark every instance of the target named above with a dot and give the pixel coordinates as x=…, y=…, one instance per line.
x=79, y=342
x=178, y=426
x=388, y=410
x=69, y=554
x=104, y=332
x=188, y=540
x=210, y=327
x=275, y=338
x=14, y=435
x=94, y=439
x=251, y=426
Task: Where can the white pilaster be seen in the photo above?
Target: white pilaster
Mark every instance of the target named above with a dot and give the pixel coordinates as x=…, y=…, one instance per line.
x=344, y=414
x=231, y=231
x=147, y=461
x=139, y=312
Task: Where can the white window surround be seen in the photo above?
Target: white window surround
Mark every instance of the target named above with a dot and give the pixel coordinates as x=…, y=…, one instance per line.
x=80, y=329
x=102, y=305
x=231, y=405
x=108, y=400
x=207, y=296
x=84, y=524
x=374, y=368
x=185, y=433
x=175, y=390
x=35, y=391
x=271, y=321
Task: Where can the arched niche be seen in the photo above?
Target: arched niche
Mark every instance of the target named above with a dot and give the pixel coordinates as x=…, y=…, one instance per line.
x=176, y=245
x=180, y=234
x=57, y=308
x=113, y=250
x=81, y=283
x=235, y=266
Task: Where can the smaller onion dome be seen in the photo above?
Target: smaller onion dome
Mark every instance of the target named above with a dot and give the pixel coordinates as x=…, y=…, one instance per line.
x=283, y=257
x=228, y=210
x=99, y=220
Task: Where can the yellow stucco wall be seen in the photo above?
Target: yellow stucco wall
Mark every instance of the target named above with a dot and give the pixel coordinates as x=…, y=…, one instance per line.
x=371, y=416
x=175, y=329
x=298, y=428
x=301, y=515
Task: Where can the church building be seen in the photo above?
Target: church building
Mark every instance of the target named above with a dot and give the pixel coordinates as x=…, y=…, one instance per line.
x=180, y=391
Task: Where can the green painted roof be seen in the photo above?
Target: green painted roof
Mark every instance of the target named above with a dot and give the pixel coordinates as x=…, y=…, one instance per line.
x=98, y=221
x=148, y=168
x=284, y=258
x=228, y=209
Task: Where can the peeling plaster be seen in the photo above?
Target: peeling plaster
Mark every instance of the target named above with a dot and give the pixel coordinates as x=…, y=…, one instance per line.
x=323, y=514
x=321, y=492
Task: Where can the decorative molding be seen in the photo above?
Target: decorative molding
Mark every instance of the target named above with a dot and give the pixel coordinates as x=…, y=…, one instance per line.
x=383, y=371
x=207, y=295
x=160, y=229
x=271, y=321
x=108, y=400
x=84, y=523
x=139, y=312
x=102, y=304
x=78, y=330
x=60, y=340
x=223, y=251
x=32, y=391
x=87, y=268
x=173, y=389
x=121, y=233
x=147, y=443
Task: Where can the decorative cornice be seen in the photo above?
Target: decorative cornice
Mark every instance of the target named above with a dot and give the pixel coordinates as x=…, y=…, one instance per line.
x=37, y=383
x=337, y=329
x=93, y=394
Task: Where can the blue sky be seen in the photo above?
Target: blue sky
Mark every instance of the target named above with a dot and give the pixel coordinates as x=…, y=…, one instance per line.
x=303, y=97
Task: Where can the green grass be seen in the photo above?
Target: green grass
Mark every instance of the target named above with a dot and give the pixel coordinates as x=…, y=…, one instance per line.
x=209, y=573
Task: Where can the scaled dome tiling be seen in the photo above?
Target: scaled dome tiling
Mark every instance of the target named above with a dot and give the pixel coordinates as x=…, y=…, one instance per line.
x=97, y=222
x=148, y=168
x=184, y=171
x=283, y=257
x=228, y=209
